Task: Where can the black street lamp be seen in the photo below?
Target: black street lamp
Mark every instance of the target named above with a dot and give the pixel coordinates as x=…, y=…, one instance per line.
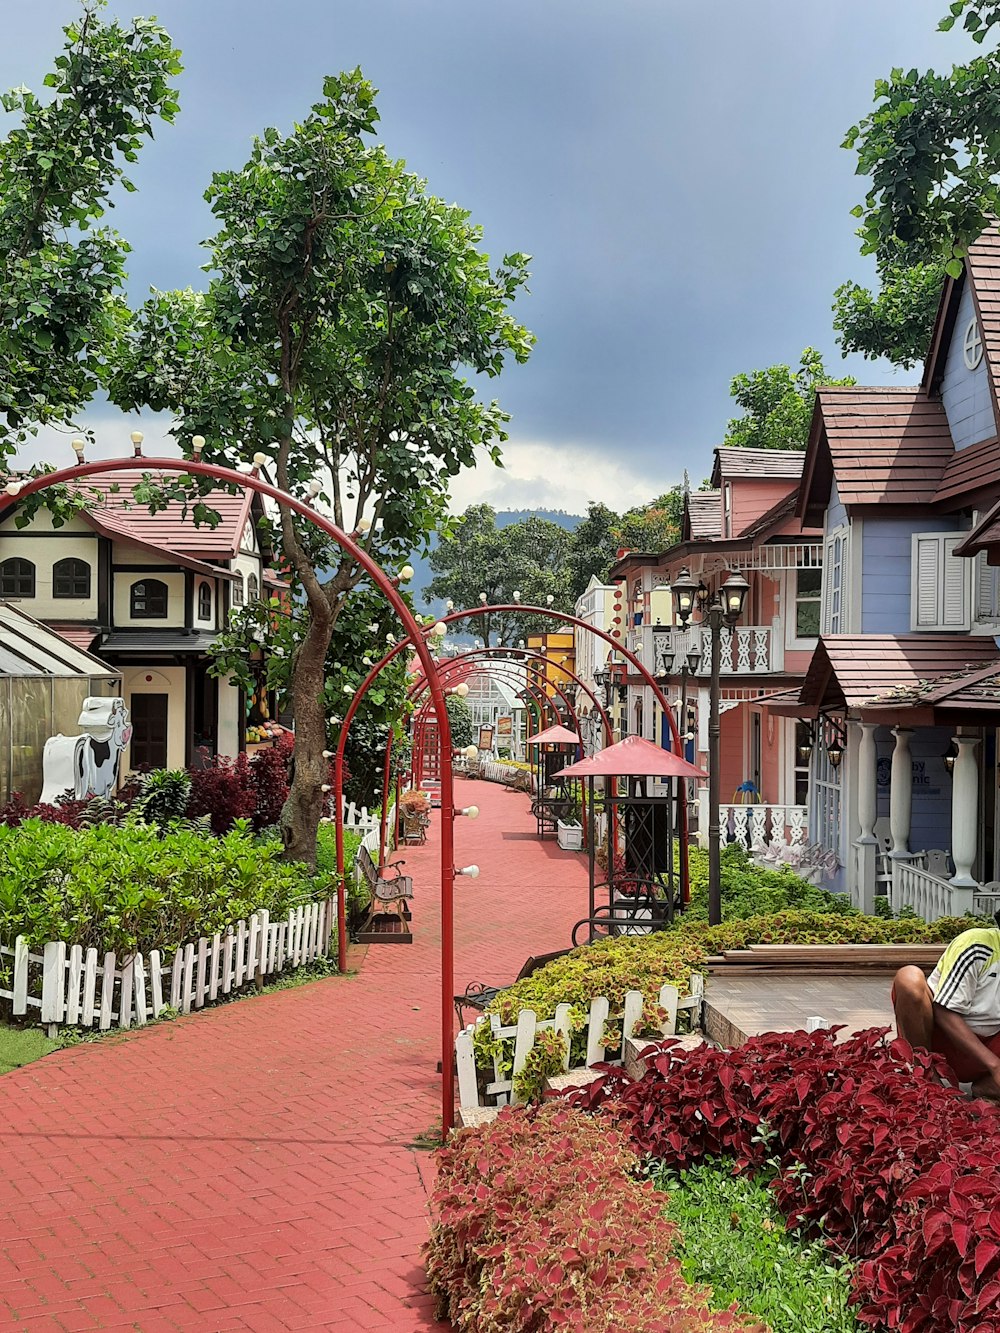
x=724, y=608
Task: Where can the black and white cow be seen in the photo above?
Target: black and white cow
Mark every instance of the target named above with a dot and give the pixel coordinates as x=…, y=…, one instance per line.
x=88, y=765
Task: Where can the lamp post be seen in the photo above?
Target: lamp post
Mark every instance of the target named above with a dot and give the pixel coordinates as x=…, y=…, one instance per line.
x=724, y=608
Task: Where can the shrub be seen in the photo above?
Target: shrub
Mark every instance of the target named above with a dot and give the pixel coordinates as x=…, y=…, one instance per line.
x=269, y=780
x=752, y=890
x=539, y=1225
x=895, y=1166
x=224, y=791
x=64, y=811
x=163, y=797
x=132, y=888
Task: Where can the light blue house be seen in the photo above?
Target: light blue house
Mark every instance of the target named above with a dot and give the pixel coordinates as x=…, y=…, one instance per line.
x=903, y=691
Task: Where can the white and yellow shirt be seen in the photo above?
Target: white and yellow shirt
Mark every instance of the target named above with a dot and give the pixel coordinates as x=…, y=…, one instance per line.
x=967, y=979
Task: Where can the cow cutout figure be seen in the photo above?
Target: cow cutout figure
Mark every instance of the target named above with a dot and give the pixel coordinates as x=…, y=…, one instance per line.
x=87, y=765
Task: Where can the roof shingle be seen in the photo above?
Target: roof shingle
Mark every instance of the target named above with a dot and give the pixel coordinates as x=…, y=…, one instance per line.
x=864, y=667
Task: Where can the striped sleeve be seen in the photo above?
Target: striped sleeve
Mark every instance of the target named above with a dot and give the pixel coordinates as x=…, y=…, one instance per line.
x=956, y=977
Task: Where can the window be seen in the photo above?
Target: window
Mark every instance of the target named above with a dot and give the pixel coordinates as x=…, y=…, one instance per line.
x=17, y=578
x=238, y=590
x=808, y=591
x=972, y=346
x=835, y=575
x=71, y=578
x=987, y=607
x=826, y=792
x=940, y=583
x=803, y=753
x=149, y=600
x=204, y=601
x=253, y=588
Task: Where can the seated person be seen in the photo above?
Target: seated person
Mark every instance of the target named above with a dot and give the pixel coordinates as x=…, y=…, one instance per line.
x=956, y=1010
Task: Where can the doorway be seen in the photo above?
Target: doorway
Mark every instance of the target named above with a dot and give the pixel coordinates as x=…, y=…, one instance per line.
x=149, y=730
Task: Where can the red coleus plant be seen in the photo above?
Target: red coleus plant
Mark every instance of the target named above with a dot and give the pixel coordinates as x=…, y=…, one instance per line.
x=540, y=1225
x=873, y=1150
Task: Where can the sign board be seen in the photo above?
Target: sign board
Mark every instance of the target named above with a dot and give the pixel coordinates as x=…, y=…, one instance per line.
x=505, y=727
x=485, y=738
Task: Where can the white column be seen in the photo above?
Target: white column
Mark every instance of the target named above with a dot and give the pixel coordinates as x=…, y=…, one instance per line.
x=866, y=862
x=964, y=811
x=901, y=792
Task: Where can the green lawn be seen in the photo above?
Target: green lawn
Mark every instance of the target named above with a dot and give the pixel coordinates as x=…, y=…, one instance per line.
x=19, y=1046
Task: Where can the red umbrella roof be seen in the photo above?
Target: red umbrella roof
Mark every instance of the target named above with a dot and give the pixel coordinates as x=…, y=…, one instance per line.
x=632, y=758
x=554, y=736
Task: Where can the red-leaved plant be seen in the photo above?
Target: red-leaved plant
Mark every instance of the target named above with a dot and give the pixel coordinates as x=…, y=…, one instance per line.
x=541, y=1225
x=896, y=1168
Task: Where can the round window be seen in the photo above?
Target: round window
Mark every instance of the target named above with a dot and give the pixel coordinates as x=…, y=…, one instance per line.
x=972, y=345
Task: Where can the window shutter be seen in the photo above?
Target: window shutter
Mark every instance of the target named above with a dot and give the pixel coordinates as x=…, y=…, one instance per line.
x=954, y=586
x=940, y=583
x=926, y=561
x=827, y=584
x=986, y=608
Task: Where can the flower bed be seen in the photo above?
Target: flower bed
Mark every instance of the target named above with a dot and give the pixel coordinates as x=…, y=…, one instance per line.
x=540, y=1225
x=897, y=1168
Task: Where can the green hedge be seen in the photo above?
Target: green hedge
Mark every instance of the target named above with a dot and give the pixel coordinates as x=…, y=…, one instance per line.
x=752, y=890
x=134, y=888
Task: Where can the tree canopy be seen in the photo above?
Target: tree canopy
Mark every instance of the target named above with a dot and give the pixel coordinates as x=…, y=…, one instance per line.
x=777, y=404
x=931, y=150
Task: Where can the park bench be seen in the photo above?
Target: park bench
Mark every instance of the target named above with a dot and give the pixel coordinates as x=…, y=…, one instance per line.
x=477, y=995
x=389, y=888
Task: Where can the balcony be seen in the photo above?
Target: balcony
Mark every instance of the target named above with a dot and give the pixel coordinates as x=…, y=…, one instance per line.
x=748, y=650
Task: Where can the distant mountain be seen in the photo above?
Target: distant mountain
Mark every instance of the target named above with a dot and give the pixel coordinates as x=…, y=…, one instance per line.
x=422, y=574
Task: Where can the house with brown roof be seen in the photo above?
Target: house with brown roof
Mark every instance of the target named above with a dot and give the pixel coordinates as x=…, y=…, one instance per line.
x=901, y=694
x=147, y=593
x=746, y=521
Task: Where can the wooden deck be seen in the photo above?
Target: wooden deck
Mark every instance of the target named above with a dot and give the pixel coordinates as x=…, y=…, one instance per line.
x=738, y=1007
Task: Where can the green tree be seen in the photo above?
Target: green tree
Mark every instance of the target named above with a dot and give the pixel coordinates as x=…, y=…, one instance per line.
x=60, y=272
x=931, y=150
x=528, y=558
x=460, y=716
x=777, y=404
x=345, y=308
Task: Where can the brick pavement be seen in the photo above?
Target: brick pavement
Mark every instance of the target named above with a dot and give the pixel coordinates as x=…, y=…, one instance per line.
x=254, y=1166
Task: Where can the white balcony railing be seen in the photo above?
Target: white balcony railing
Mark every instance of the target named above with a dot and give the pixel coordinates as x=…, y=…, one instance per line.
x=748, y=650
x=755, y=826
x=931, y=896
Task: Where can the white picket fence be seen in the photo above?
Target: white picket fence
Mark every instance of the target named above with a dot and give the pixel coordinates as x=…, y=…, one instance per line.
x=69, y=985
x=500, y=1091
x=359, y=817
x=495, y=771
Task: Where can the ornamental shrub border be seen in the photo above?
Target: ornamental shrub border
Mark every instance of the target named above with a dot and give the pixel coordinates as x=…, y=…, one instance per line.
x=540, y=1224
x=874, y=1148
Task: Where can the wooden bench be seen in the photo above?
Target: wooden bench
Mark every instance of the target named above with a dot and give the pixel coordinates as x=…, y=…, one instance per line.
x=477, y=995
x=389, y=888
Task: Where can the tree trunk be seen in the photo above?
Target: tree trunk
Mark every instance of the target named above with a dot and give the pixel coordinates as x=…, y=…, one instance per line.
x=300, y=815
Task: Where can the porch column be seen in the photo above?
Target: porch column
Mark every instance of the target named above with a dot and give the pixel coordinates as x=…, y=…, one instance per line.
x=901, y=792
x=964, y=811
x=867, y=844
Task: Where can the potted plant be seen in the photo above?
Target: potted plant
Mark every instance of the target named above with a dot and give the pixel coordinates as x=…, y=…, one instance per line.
x=415, y=809
x=569, y=834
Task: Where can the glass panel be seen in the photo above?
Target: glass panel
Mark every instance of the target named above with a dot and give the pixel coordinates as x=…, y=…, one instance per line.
x=807, y=620
x=30, y=728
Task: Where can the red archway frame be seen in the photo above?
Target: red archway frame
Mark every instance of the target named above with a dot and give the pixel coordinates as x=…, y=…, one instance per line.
x=347, y=543
x=518, y=608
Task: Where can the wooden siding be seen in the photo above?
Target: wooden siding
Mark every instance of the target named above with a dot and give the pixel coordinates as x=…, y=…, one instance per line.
x=965, y=393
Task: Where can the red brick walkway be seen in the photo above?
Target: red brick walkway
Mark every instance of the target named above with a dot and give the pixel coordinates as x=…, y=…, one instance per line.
x=253, y=1166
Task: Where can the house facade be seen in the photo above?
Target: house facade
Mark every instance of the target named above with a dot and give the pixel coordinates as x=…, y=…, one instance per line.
x=594, y=606
x=746, y=522
x=148, y=594
x=901, y=695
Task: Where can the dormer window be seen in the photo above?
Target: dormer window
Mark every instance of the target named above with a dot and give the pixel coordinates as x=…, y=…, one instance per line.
x=204, y=601
x=972, y=345
x=238, y=590
x=253, y=588
x=149, y=600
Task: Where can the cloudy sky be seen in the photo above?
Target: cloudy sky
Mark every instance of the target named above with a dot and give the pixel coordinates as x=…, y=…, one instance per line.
x=674, y=169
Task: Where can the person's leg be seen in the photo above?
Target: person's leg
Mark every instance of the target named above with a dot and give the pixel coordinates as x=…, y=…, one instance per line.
x=913, y=1003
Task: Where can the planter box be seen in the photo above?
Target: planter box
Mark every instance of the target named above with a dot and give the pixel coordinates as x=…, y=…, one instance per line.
x=569, y=836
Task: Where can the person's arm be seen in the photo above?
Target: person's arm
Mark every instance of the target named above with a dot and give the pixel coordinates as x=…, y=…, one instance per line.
x=962, y=1037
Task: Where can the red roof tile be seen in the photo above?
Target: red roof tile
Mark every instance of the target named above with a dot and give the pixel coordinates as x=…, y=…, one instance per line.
x=852, y=670
x=80, y=636
x=985, y=534
x=705, y=515
x=971, y=470
x=734, y=462
x=169, y=529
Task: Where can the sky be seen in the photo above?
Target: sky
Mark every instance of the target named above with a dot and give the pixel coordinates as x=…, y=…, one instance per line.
x=674, y=170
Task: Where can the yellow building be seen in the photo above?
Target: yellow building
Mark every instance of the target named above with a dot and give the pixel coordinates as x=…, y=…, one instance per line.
x=558, y=650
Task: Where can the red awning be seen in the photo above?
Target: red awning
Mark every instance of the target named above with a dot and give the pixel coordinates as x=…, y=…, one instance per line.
x=554, y=736
x=632, y=758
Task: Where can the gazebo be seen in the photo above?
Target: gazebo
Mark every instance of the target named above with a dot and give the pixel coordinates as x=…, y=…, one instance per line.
x=552, y=748
x=635, y=891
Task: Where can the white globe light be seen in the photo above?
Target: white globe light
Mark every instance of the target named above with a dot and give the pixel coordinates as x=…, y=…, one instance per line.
x=364, y=524
x=327, y=754
x=259, y=459
x=482, y=598
x=137, y=437
x=326, y=787
x=78, y=446
x=517, y=596
x=471, y=812
x=471, y=872
x=406, y=573
x=440, y=629
x=471, y=751
x=449, y=605
x=550, y=599
x=366, y=661
x=390, y=637
x=462, y=690
x=13, y=488
x=197, y=443
x=315, y=487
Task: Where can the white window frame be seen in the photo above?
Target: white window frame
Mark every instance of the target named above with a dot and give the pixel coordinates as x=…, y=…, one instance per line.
x=986, y=593
x=836, y=581
x=945, y=543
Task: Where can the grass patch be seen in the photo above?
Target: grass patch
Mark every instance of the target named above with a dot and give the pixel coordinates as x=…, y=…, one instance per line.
x=734, y=1240
x=19, y=1046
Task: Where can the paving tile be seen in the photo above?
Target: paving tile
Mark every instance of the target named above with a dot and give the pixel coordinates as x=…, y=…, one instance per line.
x=251, y=1167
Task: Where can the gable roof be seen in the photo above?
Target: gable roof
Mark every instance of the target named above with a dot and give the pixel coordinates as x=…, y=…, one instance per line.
x=985, y=534
x=29, y=648
x=737, y=462
x=704, y=515
x=881, y=446
x=116, y=515
x=854, y=670
x=970, y=470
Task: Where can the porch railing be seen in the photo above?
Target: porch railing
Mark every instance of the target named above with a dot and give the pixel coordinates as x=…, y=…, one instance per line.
x=749, y=650
x=755, y=826
x=932, y=897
